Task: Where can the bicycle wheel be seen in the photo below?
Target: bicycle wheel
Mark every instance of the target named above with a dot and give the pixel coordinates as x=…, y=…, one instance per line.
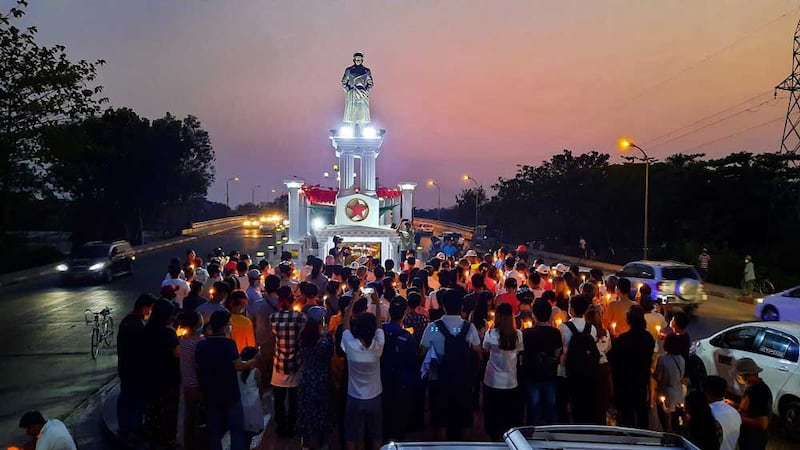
x=768, y=287
x=108, y=331
x=95, y=342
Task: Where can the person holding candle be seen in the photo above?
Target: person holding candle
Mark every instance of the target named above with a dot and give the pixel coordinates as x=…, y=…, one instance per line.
x=630, y=359
x=286, y=326
x=670, y=370
x=594, y=315
x=618, y=309
x=542, y=350
x=502, y=408
x=399, y=372
x=581, y=360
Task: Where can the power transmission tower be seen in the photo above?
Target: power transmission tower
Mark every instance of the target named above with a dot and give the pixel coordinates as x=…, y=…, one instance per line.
x=790, y=143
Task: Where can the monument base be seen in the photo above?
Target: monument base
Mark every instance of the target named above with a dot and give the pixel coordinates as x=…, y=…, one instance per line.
x=380, y=242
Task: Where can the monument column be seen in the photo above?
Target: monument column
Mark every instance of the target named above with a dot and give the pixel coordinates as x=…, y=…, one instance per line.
x=294, y=209
x=347, y=170
x=367, y=181
x=407, y=204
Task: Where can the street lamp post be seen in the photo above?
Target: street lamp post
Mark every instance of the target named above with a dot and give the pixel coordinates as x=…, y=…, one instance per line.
x=625, y=144
x=253, y=194
x=477, y=199
x=228, y=191
x=438, y=199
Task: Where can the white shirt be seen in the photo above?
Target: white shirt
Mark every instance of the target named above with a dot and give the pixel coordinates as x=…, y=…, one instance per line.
x=55, y=436
x=501, y=369
x=383, y=314
x=364, y=365
x=730, y=421
x=183, y=288
x=432, y=337
x=244, y=282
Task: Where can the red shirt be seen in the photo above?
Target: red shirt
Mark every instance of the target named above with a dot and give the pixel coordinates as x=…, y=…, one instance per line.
x=511, y=299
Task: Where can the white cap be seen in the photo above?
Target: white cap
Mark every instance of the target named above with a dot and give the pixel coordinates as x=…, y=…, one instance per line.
x=560, y=267
x=542, y=269
x=441, y=256
x=472, y=253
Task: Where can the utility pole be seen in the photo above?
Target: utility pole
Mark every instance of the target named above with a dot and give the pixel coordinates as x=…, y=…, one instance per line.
x=790, y=141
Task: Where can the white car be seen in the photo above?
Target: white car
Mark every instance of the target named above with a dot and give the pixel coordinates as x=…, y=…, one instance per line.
x=781, y=306
x=775, y=347
x=673, y=283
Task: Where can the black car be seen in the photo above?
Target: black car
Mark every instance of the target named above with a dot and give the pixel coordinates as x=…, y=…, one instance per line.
x=98, y=261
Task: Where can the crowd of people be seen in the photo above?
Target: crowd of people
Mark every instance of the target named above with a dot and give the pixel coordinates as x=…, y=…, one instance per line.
x=375, y=351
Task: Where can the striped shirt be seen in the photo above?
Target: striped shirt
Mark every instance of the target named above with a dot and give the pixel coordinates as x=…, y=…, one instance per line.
x=187, y=348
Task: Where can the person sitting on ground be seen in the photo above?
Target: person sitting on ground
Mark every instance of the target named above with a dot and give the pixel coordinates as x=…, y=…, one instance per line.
x=50, y=434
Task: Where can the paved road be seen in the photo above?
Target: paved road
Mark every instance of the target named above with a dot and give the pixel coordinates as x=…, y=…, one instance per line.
x=44, y=343
x=44, y=346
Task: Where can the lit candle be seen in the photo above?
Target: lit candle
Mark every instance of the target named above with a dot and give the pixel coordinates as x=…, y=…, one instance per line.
x=297, y=307
x=409, y=329
x=181, y=331
x=583, y=277
x=663, y=399
x=569, y=292
x=658, y=329
x=558, y=322
x=527, y=324
x=614, y=327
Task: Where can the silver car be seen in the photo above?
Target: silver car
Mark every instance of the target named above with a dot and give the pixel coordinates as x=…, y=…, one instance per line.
x=673, y=283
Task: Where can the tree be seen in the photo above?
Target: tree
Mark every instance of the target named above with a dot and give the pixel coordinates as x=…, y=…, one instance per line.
x=122, y=171
x=39, y=87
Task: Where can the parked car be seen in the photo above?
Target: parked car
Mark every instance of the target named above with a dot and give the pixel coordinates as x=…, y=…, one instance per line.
x=781, y=306
x=98, y=261
x=573, y=437
x=673, y=283
x=774, y=347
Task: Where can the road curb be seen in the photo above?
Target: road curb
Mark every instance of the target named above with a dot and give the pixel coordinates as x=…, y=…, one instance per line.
x=43, y=271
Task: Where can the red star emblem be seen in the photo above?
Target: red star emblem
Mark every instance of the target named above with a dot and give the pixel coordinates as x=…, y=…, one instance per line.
x=357, y=210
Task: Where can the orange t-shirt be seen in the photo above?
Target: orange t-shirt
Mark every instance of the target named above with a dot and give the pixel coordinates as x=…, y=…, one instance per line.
x=242, y=332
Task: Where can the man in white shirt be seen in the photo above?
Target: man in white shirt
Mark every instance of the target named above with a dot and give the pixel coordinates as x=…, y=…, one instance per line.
x=581, y=397
x=450, y=409
x=182, y=288
x=362, y=342
x=50, y=434
x=726, y=415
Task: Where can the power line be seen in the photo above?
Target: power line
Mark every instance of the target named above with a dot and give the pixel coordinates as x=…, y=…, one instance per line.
x=709, y=57
x=702, y=119
x=733, y=134
x=730, y=116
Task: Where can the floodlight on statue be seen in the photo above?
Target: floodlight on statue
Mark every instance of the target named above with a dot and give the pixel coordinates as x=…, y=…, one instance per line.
x=346, y=131
x=369, y=132
x=291, y=184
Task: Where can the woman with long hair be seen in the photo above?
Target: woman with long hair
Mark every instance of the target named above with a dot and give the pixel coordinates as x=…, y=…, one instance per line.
x=314, y=390
x=669, y=373
x=594, y=315
x=191, y=324
x=316, y=276
x=561, y=288
x=502, y=403
x=164, y=378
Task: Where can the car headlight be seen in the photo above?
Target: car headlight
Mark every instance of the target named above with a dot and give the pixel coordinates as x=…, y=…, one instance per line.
x=62, y=268
x=98, y=266
x=760, y=300
x=246, y=223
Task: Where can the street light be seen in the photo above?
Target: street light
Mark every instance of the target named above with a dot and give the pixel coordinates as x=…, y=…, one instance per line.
x=438, y=199
x=228, y=191
x=253, y=194
x=477, y=199
x=626, y=144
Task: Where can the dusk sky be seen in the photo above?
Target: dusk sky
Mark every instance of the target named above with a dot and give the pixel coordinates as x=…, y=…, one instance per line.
x=461, y=86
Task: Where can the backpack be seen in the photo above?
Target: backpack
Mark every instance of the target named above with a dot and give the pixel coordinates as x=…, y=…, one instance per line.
x=398, y=361
x=454, y=368
x=583, y=358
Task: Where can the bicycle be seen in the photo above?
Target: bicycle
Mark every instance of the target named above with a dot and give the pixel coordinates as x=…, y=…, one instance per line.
x=761, y=286
x=102, y=328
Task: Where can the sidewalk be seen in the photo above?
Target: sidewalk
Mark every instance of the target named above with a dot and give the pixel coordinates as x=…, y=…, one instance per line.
x=33, y=273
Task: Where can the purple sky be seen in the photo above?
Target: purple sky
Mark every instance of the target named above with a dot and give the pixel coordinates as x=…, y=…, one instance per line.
x=460, y=86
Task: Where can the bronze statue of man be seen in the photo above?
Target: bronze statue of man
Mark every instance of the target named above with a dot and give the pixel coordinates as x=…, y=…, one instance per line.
x=357, y=83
